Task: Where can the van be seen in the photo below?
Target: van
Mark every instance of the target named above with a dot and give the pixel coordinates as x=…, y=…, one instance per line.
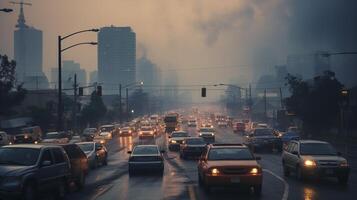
x=29, y=135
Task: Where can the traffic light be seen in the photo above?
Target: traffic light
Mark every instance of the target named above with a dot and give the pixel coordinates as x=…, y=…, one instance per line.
x=345, y=97
x=80, y=91
x=99, y=90
x=203, y=92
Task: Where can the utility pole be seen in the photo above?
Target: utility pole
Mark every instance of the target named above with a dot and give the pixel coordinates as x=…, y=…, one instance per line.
x=281, y=98
x=265, y=104
x=120, y=106
x=59, y=109
x=75, y=107
x=250, y=98
x=127, y=102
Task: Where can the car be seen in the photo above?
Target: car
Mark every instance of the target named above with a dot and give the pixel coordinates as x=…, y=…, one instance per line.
x=106, y=135
x=312, y=158
x=192, y=123
x=28, y=170
x=126, y=131
x=146, y=132
x=192, y=147
x=28, y=135
x=288, y=136
x=89, y=134
x=146, y=158
x=95, y=152
x=228, y=165
x=239, y=127
x=79, y=164
x=208, y=134
x=222, y=124
x=4, y=139
x=75, y=139
x=56, y=137
x=108, y=129
x=263, y=139
x=176, y=138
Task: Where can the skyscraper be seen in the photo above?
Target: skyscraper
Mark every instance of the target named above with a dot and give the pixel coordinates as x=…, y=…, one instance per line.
x=116, y=57
x=28, y=51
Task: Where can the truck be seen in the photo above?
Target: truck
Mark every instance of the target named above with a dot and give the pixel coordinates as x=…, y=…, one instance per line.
x=171, y=122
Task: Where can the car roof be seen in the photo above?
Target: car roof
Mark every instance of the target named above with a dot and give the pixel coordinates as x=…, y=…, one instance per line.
x=146, y=145
x=32, y=146
x=312, y=141
x=85, y=142
x=190, y=138
x=224, y=145
x=109, y=125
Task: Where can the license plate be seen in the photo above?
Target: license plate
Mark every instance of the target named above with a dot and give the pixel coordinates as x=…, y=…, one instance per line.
x=329, y=171
x=235, y=180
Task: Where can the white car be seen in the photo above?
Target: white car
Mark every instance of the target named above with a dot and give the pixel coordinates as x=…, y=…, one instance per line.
x=56, y=137
x=106, y=135
x=4, y=139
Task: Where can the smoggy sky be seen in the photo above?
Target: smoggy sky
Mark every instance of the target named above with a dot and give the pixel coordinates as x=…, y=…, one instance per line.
x=228, y=40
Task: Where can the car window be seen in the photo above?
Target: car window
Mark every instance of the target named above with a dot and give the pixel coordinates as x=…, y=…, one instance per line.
x=294, y=147
x=263, y=132
x=46, y=156
x=58, y=155
x=73, y=151
x=317, y=149
x=86, y=146
x=145, y=150
x=179, y=134
x=230, y=154
x=18, y=156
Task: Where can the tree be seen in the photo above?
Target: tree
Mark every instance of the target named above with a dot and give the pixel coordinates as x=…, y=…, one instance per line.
x=316, y=103
x=94, y=111
x=10, y=94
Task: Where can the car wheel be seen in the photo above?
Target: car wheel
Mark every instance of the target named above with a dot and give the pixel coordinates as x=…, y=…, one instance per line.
x=343, y=180
x=81, y=181
x=257, y=190
x=61, y=190
x=286, y=170
x=29, y=192
x=299, y=173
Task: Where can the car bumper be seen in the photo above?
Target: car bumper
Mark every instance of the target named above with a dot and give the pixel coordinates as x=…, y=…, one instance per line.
x=327, y=172
x=233, y=180
x=146, y=166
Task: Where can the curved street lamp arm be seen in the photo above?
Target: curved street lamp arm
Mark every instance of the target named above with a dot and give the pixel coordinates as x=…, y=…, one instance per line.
x=88, y=30
x=82, y=43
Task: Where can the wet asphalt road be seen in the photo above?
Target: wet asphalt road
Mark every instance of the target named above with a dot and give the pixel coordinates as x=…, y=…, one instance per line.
x=180, y=178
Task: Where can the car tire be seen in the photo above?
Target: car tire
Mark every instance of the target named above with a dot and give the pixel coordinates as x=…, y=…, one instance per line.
x=61, y=190
x=299, y=173
x=29, y=192
x=80, y=182
x=257, y=190
x=343, y=180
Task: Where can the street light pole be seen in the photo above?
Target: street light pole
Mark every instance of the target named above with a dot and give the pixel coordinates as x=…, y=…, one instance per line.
x=127, y=102
x=120, y=106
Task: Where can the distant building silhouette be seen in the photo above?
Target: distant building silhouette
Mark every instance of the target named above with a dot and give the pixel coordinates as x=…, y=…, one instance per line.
x=28, y=54
x=116, y=58
x=147, y=72
x=69, y=68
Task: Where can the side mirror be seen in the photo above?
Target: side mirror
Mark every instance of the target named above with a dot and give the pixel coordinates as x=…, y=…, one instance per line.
x=129, y=152
x=258, y=158
x=339, y=153
x=45, y=163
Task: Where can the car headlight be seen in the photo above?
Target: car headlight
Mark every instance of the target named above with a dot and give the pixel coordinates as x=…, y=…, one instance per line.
x=173, y=141
x=344, y=163
x=254, y=171
x=214, y=171
x=11, y=181
x=200, y=134
x=309, y=163
x=26, y=136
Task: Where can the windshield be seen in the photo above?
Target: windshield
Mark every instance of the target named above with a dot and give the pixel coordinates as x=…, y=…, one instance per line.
x=170, y=119
x=145, y=150
x=106, y=129
x=263, y=132
x=195, y=141
x=86, y=146
x=146, y=129
x=179, y=134
x=54, y=136
x=230, y=154
x=18, y=156
x=89, y=130
x=206, y=130
x=317, y=149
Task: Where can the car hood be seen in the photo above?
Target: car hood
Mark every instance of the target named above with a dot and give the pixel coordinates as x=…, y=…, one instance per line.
x=178, y=138
x=322, y=158
x=232, y=163
x=14, y=170
x=207, y=133
x=196, y=145
x=104, y=133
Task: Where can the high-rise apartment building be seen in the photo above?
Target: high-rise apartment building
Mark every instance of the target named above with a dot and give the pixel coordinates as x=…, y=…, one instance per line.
x=116, y=57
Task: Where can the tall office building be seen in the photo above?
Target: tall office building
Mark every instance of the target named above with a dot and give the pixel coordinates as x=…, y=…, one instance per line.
x=28, y=51
x=116, y=57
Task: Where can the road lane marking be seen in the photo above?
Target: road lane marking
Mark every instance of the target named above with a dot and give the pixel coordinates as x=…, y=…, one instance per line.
x=101, y=191
x=191, y=192
x=286, y=185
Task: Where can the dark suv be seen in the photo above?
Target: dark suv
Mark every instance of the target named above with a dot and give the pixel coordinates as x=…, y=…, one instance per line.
x=79, y=164
x=28, y=170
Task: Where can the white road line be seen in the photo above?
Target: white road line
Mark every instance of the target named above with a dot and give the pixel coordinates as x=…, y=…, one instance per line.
x=286, y=185
x=101, y=191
